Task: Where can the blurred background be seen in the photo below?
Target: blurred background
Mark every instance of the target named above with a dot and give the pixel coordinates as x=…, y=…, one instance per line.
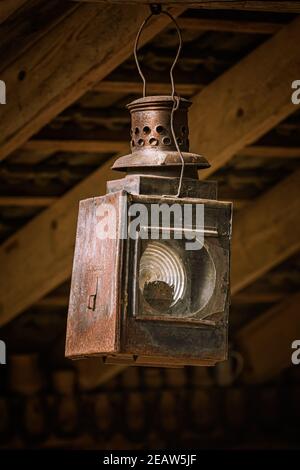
x=252, y=400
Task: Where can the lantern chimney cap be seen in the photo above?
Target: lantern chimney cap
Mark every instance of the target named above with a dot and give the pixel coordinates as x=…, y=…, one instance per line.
x=152, y=144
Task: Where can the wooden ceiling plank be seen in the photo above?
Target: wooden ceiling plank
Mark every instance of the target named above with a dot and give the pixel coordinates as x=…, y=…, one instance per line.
x=26, y=201
x=292, y=6
x=266, y=232
x=246, y=101
x=135, y=87
x=233, y=26
x=267, y=151
x=52, y=75
x=258, y=297
x=26, y=28
x=87, y=146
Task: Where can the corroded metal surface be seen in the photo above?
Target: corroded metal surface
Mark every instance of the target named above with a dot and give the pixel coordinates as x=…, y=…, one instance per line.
x=94, y=307
x=142, y=302
x=152, y=143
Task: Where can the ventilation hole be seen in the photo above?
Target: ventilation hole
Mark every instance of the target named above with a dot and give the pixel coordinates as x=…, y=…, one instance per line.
x=159, y=129
x=140, y=142
x=240, y=112
x=179, y=141
x=153, y=141
x=166, y=140
x=136, y=130
x=21, y=75
x=183, y=129
x=146, y=130
x=132, y=143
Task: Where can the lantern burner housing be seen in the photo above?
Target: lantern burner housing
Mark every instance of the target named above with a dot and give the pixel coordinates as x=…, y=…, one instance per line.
x=152, y=143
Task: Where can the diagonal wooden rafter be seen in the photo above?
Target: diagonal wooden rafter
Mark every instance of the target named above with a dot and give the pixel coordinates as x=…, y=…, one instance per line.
x=51, y=75
x=248, y=100
x=8, y=7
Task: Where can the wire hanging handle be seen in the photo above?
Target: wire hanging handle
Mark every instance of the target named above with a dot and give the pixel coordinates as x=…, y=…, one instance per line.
x=156, y=10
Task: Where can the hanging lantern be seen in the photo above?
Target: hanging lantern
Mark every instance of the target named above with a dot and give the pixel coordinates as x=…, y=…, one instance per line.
x=150, y=282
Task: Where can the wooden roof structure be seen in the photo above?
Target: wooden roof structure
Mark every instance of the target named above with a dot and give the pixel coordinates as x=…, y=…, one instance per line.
x=69, y=71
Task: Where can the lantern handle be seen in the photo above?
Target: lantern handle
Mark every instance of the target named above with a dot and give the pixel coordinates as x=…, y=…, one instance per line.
x=156, y=10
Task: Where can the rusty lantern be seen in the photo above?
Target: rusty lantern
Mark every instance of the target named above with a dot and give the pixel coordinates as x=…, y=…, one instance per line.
x=150, y=285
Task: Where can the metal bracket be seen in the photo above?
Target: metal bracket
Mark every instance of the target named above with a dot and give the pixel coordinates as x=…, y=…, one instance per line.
x=155, y=8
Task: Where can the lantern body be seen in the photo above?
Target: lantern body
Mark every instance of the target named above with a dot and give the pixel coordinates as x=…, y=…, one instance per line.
x=153, y=290
x=180, y=316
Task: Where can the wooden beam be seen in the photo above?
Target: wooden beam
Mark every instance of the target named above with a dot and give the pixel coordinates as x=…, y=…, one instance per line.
x=252, y=5
x=267, y=151
x=234, y=26
x=88, y=146
x=8, y=7
x=258, y=297
x=51, y=75
x=266, y=341
x=247, y=100
x=17, y=35
x=156, y=88
x=266, y=232
x=26, y=201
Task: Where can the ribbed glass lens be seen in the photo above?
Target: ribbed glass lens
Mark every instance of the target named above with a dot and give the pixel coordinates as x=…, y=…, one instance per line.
x=162, y=276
